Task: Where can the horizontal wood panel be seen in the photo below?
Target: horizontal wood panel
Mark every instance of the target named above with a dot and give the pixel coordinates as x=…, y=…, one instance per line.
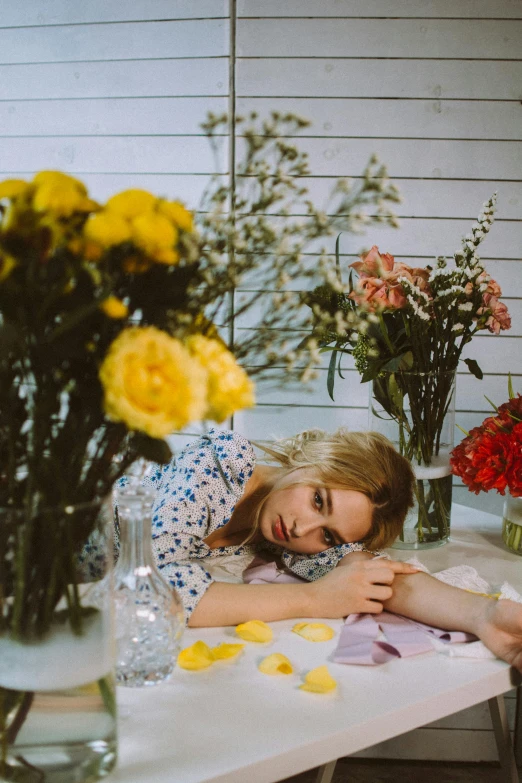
x=431, y=119
x=490, y=502
x=52, y=12
x=439, y=745
x=435, y=198
x=108, y=116
x=126, y=41
x=432, y=159
x=373, y=78
x=106, y=154
x=116, y=79
x=429, y=8
x=438, y=38
x=282, y=422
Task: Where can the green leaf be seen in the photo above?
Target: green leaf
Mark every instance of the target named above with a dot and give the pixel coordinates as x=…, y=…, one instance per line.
x=152, y=449
x=331, y=375
x=511, y=392
x=466, y=433
x=339, y=364
x=495, y=407
x=337, y=260
x=474, y=368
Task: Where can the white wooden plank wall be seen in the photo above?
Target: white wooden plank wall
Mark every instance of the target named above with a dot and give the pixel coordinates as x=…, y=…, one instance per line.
x=114, y=93
x=435, y=89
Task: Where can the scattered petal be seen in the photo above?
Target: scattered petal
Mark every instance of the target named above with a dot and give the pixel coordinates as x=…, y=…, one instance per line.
x=277, y=663
x=314, y=632
x=319, y=680
x=197, y=656
x=255, y=631
x=224, y=651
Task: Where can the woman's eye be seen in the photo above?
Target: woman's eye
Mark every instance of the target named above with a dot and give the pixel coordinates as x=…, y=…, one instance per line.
x=329, y=539
x=318, y=500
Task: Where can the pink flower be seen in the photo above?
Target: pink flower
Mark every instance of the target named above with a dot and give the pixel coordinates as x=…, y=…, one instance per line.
x=378, y=287
x=374, y=264
x=493, y=287
x=499, y=317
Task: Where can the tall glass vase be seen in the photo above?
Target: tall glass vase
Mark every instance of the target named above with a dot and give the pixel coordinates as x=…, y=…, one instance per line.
x=149, y=613
x=416, y=411
x=512, y=524
x=57, y=696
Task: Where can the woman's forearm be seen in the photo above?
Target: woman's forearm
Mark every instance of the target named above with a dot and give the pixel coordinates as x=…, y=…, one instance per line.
x=424, y=598
x=229, y=604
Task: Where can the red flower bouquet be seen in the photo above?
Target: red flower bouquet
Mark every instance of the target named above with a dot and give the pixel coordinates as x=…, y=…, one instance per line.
x=490, y=457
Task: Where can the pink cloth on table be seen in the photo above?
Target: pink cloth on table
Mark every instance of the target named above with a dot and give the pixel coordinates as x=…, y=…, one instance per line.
x=358, y=641
x=259, y=572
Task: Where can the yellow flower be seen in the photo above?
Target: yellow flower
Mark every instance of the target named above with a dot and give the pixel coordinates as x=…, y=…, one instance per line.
x=319, y=680
x=151, y=383
x=7, y=264
x=197, y=656
x=60, y=194
x=224, y=651
x=254, y=631
x=114, y=308
x=11, y=188
x=107, y=228
x=277, y=663
x=314, y=632
x=177, y=213
x=131, y=203
x=229, y=387
x=48, y=178
x=156, y=236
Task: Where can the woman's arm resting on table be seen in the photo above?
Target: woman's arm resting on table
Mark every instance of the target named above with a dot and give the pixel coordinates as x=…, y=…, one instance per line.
x=361, y=587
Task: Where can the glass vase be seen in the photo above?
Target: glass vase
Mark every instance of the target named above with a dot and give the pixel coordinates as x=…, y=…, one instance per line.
x=149, y=613
x=57, y=695
x=512, y=524
x=416, y=411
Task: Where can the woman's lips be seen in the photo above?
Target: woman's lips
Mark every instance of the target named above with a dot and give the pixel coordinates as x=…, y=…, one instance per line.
x=280, y=530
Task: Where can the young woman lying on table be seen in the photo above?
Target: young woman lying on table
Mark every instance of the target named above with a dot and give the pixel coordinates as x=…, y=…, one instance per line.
x=322, y=509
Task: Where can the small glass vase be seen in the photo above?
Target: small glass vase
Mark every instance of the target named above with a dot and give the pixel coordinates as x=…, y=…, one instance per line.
x=512, y=524
x=57, y=694
x=416, y=411
x=149, y=613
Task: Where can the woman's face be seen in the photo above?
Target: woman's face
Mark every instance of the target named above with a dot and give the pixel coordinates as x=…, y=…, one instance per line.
x=307, y=518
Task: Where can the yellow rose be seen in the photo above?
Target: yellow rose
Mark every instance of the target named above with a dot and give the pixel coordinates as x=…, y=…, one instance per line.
x=177, y=213
x=107, y=228
x=131, y=203
x=52, y=178
x=60, y=194
x=11, y=188
x=7, y=264
x=114, y=308
x=151, y=383
x=229, y=387
x=156, y=236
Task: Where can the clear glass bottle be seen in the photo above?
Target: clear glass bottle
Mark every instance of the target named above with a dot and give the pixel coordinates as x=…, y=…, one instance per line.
x=149, y=613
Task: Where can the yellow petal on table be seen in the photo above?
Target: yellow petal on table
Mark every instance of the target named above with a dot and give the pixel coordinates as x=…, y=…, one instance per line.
x=276, y=663
x=314, y=632
x=197, y=656
x=319, y=681
x=254, y=631
x=224, y=651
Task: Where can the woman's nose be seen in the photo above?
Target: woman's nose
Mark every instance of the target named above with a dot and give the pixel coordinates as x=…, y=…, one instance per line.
x=304, y=526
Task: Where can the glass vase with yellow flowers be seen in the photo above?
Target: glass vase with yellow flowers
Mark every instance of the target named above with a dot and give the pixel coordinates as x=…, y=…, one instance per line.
x=115, y=332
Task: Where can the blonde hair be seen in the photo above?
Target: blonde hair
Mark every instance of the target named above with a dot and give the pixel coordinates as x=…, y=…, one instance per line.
x=365, y=462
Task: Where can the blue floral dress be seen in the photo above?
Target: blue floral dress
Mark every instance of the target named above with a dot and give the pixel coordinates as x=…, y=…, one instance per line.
x=196, y=494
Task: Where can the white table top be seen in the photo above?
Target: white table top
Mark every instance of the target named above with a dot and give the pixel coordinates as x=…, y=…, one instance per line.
x=231, y=724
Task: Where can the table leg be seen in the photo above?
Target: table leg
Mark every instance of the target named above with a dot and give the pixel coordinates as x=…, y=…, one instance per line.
x=497, y=710
x=325, y=773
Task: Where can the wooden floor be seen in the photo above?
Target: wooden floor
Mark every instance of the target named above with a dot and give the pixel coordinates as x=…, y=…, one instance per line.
x=369, y=771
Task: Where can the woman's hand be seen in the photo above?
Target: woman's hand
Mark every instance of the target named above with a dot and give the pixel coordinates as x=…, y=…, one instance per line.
x=499, y=627
x=359, y=586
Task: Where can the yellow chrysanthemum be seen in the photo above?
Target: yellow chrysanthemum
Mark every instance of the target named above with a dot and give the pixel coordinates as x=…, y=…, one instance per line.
x=177, y=213
x=114, y=308
x=51, y=178
x=7, y=264
x=314, y=632
x=11, y=188
x=276, y=663
x=197, y=656
x=156, y=236
x=229, y=387
x=254, y=631
x=151, y=383
x=225, y=650
x=131, y=203
x=319, y=680
x=107, y=228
